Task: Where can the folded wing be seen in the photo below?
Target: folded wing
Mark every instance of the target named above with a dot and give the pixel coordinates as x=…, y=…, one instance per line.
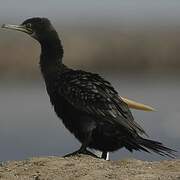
x=93, y=95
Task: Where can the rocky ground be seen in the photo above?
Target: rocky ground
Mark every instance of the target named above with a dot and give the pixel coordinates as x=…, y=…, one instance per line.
x=88, y=168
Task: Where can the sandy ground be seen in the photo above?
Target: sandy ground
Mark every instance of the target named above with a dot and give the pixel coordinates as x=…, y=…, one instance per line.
x=88, y=168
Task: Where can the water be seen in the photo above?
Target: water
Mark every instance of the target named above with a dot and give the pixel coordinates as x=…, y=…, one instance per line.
x=29, y=127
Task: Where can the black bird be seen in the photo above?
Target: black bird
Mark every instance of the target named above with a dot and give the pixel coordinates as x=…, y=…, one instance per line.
x=88, y=105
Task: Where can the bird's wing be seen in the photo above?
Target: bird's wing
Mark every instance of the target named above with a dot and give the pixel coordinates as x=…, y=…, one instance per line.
x=90, y=93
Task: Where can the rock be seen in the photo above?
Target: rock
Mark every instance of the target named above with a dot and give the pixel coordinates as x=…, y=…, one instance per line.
x=89, y=168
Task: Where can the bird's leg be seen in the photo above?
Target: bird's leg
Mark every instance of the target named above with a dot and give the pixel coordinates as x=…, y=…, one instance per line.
x=83, y=148
x=105, y=155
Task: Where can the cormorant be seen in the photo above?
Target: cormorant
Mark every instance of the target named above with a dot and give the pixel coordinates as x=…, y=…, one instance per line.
x=88, y=105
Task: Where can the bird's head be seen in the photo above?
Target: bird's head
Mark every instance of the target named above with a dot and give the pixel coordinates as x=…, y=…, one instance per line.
x=38, y=28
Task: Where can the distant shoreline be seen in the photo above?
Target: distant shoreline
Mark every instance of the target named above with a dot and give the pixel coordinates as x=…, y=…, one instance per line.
x=96, y=49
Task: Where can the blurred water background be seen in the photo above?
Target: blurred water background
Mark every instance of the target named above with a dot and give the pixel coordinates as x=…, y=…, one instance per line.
x=133, y=44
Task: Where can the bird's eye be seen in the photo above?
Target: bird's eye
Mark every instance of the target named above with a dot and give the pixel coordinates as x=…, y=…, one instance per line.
x=28, y=25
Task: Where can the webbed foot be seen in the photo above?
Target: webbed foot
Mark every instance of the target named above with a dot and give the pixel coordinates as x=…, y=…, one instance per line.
x=79, y=152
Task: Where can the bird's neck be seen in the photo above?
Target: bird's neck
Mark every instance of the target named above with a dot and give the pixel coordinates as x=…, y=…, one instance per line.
x=51, y=48
x=51, y=55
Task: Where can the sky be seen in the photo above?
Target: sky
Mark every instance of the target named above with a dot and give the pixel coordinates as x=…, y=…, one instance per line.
x=81, y=11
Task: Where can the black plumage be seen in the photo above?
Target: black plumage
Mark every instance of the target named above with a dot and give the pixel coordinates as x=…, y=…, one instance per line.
x=88, y=105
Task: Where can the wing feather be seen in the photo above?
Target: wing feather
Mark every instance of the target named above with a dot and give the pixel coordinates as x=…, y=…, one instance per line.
x=90, y=93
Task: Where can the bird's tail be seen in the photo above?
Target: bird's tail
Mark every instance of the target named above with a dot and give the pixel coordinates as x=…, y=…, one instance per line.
x=138, y=143
x=154, y=146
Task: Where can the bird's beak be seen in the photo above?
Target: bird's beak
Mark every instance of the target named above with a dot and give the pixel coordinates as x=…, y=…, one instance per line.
x=18, y=28
x=135, y=105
